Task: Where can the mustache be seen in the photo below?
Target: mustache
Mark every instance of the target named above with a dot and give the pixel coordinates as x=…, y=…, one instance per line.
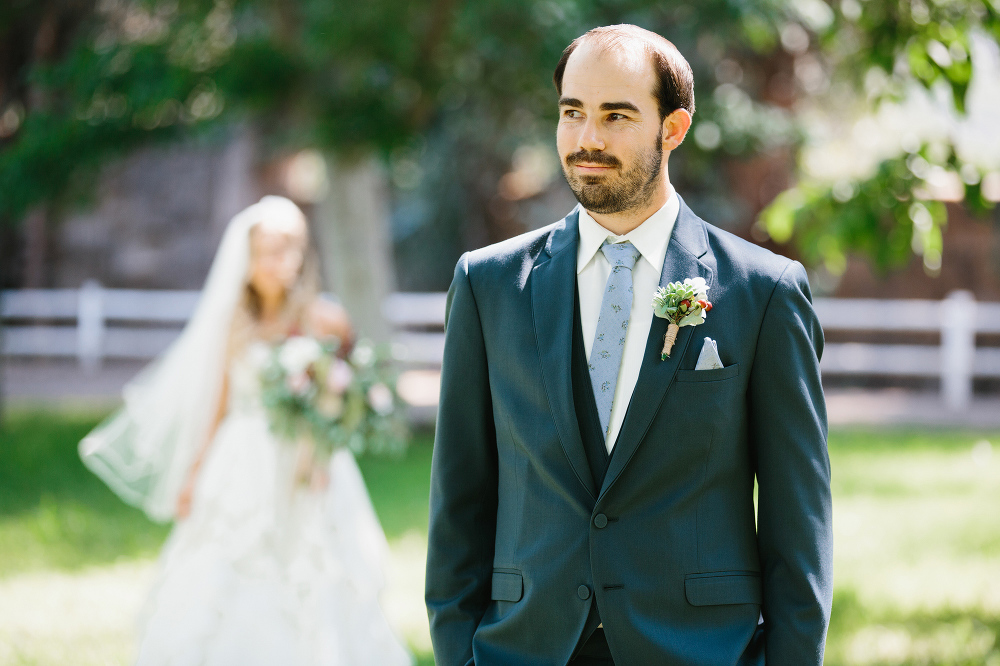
x=593, y=157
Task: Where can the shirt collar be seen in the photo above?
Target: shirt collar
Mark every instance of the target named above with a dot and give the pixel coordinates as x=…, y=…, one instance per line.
x=650, y=238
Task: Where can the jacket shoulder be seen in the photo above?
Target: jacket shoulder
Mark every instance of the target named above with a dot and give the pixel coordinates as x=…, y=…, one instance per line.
x=508, y=262
x=743, y=259
x=511, y=250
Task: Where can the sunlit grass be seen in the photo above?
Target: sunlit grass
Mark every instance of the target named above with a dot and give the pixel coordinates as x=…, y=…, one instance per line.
x=916, y=522
x=70, y=549
x=916, y=548
x=54, y=514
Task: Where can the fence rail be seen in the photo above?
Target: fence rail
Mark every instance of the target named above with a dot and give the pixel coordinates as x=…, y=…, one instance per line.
x=93, y=323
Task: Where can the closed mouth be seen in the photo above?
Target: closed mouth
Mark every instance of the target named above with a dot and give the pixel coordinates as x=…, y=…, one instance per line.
x=593, y=168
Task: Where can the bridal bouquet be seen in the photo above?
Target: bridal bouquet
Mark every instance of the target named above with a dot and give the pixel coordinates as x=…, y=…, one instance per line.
x=311, y=393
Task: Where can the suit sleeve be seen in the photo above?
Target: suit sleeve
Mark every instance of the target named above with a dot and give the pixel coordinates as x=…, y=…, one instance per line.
x=788, y=431
x=463, y=497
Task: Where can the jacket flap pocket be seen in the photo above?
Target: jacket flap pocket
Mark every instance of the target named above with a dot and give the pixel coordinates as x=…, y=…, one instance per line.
x=507, y=586
x=715, y=375
x=723, y=588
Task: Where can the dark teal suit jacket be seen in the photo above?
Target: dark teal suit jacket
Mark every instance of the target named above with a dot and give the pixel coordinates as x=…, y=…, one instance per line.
x=520, y=545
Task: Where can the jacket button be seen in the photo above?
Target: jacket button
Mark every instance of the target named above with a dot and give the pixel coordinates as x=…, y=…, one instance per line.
x=600, y=521
x=583, y=592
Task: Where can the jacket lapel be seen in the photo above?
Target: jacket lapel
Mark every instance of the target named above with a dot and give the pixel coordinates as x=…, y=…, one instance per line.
x=685, y=258
x=553, y=282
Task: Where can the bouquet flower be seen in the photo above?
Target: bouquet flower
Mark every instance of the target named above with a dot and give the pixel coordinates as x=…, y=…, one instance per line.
x=312, y=394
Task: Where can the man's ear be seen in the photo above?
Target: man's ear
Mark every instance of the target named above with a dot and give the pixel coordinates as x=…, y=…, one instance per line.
x=675, y=128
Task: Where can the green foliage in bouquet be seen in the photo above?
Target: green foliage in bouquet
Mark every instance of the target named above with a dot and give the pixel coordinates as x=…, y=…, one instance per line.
x=311, y=393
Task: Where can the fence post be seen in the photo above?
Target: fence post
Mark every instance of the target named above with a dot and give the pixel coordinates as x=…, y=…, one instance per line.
x=958, y=348
x=90, y=326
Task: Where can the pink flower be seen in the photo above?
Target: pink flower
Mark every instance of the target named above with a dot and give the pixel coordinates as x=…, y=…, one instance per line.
x=299, y=383
x=339, y=377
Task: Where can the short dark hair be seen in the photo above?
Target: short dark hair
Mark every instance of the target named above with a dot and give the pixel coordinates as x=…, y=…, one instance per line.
x=675, y=80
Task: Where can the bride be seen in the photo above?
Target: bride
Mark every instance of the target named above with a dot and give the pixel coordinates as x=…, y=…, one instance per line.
x=275, y=559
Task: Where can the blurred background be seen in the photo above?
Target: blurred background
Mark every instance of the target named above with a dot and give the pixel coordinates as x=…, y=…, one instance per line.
x=861, y=137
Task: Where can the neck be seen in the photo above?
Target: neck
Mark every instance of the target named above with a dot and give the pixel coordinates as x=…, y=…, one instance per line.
x=627, y=220
x=270, y=306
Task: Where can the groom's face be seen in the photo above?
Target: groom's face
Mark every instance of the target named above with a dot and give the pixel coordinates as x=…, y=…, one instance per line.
x=609, y=136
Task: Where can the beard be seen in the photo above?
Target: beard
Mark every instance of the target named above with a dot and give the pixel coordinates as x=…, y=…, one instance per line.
x=615, y=193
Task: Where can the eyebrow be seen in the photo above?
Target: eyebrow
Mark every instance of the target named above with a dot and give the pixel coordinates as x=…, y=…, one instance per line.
x=619, y=106
x=606, y=106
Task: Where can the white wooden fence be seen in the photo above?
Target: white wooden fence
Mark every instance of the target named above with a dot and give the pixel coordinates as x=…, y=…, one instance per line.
x=957, y=360
x=92, y=323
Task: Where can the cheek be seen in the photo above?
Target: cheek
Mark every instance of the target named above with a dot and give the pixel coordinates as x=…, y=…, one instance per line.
x=264, y=272
x=259, y=279
x=565, y=139
x=291, y=267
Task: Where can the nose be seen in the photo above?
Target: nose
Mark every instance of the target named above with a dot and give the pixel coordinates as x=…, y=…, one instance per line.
x=590, y=136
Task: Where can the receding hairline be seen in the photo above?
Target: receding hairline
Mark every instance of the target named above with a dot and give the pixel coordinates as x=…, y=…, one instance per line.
x=625, y=36
x=613, y=39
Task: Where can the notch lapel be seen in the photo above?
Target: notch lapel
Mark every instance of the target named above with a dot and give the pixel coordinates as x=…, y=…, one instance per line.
x=553, y=283
x=688, y=245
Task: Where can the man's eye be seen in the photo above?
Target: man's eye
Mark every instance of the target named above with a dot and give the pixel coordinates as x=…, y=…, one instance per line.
x=571, y=113
x=616, y=116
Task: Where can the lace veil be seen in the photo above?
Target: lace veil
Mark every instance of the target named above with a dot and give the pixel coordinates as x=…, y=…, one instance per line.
x=144, y=450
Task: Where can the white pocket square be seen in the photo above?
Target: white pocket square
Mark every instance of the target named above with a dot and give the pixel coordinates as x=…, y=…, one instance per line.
x=709, y=357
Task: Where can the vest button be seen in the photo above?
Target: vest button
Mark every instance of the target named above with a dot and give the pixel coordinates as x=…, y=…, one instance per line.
x=583, y=592
x=600, y=521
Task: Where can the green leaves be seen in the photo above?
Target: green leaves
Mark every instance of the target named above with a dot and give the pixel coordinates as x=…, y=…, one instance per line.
x=456, y=88
x=880, y=217
x=683, y=303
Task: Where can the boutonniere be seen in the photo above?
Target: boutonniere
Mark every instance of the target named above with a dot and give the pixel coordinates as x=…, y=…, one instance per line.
x=682, y=304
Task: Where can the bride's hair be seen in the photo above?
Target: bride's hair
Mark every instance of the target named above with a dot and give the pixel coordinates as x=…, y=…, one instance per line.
x=283, y=215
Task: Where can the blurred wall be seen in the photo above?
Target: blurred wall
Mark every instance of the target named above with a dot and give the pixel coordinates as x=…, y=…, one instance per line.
x=158, y=218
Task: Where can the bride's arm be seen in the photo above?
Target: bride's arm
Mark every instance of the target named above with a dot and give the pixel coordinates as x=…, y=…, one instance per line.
x=187, y=490
x=329, y=319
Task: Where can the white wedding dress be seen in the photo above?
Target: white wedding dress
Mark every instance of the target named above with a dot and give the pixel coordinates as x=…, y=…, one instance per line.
x=263, y=571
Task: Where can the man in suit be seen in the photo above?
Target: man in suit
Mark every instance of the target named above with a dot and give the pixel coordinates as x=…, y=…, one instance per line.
x=590, y=502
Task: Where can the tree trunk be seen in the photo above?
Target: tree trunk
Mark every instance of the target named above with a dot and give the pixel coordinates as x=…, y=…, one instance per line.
x=234, y=187
x=352, y=225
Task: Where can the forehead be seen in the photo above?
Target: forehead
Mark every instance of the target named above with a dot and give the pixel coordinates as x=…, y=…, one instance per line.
x=615, y=73
x=264, y=238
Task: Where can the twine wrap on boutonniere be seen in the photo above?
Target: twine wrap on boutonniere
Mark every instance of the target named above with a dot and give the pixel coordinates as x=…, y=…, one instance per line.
x=682, y=304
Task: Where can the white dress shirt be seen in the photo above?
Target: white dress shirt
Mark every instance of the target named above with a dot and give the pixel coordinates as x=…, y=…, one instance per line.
x=592, y=271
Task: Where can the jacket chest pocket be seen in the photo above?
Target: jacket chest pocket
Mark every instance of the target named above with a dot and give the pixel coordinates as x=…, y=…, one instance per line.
x=717, y=397
x=703, y=376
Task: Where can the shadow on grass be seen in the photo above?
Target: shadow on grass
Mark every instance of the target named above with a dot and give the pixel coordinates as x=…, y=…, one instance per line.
x=942, y=637
x=55, y=514
x=897, y=440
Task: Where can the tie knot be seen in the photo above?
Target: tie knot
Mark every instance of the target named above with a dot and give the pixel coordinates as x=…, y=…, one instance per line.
x=620, y=254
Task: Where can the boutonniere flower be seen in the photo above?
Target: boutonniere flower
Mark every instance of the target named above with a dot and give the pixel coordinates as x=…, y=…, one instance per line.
x=682, y=304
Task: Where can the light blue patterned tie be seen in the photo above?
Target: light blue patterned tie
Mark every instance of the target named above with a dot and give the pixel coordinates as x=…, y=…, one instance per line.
x=612, y=325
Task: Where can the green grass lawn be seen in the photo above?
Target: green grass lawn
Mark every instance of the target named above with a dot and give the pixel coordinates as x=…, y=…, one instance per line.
x=917, y=537
x=55, y=516
x=916, y=548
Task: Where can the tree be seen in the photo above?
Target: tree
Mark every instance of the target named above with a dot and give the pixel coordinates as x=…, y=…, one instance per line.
x=888, y=52
x=384, y=76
